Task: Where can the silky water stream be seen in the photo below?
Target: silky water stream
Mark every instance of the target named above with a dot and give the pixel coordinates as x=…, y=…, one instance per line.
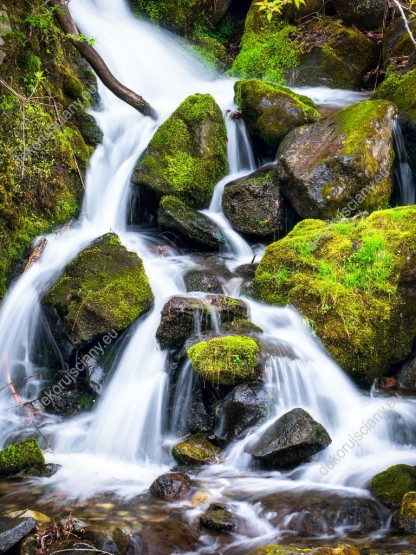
x=110, y=456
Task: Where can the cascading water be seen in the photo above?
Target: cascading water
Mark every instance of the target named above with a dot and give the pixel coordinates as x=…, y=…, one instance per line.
x=121, y=446
x=406, y=194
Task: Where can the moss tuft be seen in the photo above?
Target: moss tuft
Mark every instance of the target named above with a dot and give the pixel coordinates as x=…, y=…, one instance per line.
x=226, y=360
x=196, y=450
x=399, y=89
x=20, y=456
x=391, y=485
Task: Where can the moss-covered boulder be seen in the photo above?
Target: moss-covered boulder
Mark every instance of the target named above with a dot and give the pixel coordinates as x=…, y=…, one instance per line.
x=407, y=514
x=19, y=456
x=392, y=485
x=271, y=111
x=328, y=56
x=187, y=156
x=275, y=549
x=254, y=205
x=104, y=288
x=341, y=165
x=293, y=13
x=226, y=360
x=110, y=539
x=183, y=15
x=267, y=49
x=189, y=227
x=196, y=450
x=218, y=518
x=290, y=440
x=354, y=281
x=181, y=316
x=367, y=15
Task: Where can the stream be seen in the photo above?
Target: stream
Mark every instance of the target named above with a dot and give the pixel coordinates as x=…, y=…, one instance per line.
x=110, y=456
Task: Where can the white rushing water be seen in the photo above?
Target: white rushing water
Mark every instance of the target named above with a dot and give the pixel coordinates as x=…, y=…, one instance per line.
x=121, y=445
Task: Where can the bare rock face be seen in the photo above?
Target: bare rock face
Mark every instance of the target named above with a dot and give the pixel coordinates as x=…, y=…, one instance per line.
x=290, y=440
x=341, y=165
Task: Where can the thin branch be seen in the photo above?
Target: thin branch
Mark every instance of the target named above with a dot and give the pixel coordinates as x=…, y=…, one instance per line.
x=44, y=438
x=406, y=22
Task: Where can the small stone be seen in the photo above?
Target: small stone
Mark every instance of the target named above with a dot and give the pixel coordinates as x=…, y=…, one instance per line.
x=218, y=518
x=171, y=487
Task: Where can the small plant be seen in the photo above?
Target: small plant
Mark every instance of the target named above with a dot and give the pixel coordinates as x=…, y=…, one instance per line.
x=275, y=6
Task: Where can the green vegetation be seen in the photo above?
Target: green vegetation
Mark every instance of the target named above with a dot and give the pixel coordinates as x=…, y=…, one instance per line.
x=188, y=154
x=391, y=485
x=20, y=456
x=346, y=278
x=105, y=287
x=196, y=450
x=399, y=89
x=226, y=360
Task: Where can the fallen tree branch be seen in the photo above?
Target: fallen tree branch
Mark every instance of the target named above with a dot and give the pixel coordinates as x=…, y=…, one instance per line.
x=69, y=27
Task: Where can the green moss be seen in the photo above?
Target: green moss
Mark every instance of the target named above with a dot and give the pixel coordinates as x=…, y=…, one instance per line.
x=279, y=550
x=346, y=278
x=105, y=287
x=391, y=485
x=408, y=508
x=226, y=360
x=19, y=456
x=188, y=154
x=271, y=111
x=196, y=450
x=399, y=89
x=267, y=49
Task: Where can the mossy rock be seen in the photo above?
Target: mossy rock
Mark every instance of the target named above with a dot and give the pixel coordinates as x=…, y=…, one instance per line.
x=19, y=456
x=104, y=288
x=187, y=156
x=196, y=450
x=407, y=514
x=255, y=206
x=267, y=49
x=328, y=56
x=399, y=89
x=271, y=111
x=396, y=40
x=354, y=281
x=180, y=315
x=392, y=485
x=340, y=165
x=367, y=15
x=226, y=360
x=183, y=15
x=189, y=227
x=279, y=550
x=218, y=518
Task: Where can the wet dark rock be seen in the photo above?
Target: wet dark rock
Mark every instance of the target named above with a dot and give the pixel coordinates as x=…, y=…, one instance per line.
x=179, y=315
x=246, y=271
x=219, y=518
x=342, y=164
x=388, y=383
x=171, y=487
x=41, y=470
x=199, y=419
x=407, y=374
x=202, y=281
x=292, y=439
x=241, y=327
x=189, y=227
x=107, y=538
x=13, y=530
x=366, y=15
x=89, y=129
x=65, y=397
x=239, y=411
x=254, y=205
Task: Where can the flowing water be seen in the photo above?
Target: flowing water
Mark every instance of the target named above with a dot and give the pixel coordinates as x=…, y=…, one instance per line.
x=125, y=443
x=406, y=194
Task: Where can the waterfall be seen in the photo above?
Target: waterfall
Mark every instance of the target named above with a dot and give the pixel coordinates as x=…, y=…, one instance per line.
x=122, y=445
x=406, y=193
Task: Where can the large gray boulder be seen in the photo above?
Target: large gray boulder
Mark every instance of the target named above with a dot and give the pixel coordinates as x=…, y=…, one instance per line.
x=290, y=440
x=366, y=15
x=341, y=165
x=254, y=205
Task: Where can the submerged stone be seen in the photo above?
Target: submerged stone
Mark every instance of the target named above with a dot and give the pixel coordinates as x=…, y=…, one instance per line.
x=20, y=456
x=106, y=538
x=196, y=450
x=171, y=487
x=292, y=439
x=104, y=289
x=219, y=518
